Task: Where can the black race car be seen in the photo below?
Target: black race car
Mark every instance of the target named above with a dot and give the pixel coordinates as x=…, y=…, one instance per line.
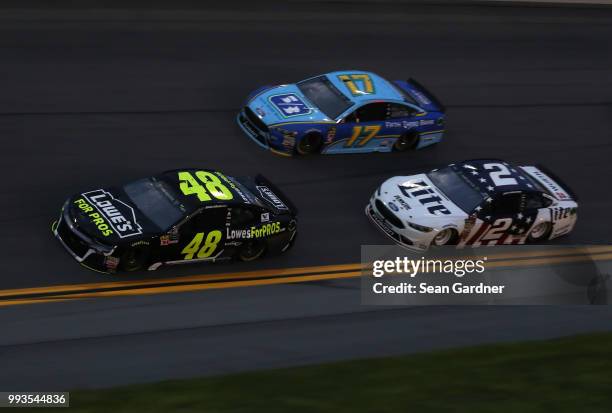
x=176, y=217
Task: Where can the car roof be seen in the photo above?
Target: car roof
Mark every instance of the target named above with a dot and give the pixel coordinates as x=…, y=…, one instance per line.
x=382, y=88
x=474, y=171
x=240, y=195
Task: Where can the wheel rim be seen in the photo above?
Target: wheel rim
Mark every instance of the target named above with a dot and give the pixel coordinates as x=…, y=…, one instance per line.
x=308, y=144
x=443, y=237
x=132, y=261
x=251, y=251
x=539, y=230
x=405, y=142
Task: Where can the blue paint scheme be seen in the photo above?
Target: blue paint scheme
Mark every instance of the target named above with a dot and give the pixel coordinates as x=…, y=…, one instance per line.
x=285, y=115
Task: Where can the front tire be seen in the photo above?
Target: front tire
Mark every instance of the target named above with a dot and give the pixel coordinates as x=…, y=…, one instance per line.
x=447, y=236
x=134, y=259
x=406, y=142
x=310, y=144
x=251, y=250
x=539, y=232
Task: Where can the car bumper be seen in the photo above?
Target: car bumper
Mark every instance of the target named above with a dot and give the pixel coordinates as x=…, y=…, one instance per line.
x=261, y=138
x=75, y=243
x=398, y=235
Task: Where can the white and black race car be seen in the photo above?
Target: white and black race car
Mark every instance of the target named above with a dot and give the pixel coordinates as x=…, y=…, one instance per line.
x=475, y=202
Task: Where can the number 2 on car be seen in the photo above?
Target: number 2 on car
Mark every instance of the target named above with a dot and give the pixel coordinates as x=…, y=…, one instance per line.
x=210, y=245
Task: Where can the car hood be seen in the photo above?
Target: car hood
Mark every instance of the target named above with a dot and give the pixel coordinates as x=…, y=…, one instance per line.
x=285, y=103
x=416, y=199
x=108, y=216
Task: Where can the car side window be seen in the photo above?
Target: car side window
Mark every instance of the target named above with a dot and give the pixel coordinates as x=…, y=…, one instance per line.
x=399, y=111
x=535, y=200
x=210, y=218
x=241, y=216
x=352, y=118
x=372, y=112
x=507, y=204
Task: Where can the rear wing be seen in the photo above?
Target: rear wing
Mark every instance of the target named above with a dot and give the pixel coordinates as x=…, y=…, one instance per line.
x=427, y=95
x=273, y=195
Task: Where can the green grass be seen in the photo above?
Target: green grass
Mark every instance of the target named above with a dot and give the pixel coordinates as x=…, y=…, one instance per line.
x=565, y=375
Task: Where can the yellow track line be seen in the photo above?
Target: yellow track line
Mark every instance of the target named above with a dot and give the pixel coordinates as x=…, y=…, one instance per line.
x=282, y=280
x=186, y=288
x=267, y=273
x=193, y=278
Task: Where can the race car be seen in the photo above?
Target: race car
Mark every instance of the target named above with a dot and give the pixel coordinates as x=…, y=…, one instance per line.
x=475, y=202
x=339, y=112
x=176, y=217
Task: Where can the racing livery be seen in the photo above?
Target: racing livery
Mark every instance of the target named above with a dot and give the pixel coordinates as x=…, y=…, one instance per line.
x=176, y=217
x=339, y=112
x=475, y=202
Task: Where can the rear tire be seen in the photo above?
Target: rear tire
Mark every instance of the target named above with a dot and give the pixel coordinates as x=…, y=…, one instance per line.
x=539, y=232
x=310, y=144
x=134, y=259
x=406, y=142
x=251, y=250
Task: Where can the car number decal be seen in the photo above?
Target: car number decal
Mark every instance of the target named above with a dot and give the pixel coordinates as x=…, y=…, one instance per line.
x=212, y=186
x=362, y=135
x=358, y=84
x=210, y=245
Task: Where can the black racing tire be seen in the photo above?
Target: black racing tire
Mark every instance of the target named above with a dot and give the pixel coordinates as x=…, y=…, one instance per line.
x=539, y=232
x=448, y=236
x=134, y=259
x=310, y=144
x=251, y=250
x=406, y=142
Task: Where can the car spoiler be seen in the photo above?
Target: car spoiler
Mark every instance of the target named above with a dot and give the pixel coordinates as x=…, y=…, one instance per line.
x=558, y=181
x=427, y=93
x=262, y=180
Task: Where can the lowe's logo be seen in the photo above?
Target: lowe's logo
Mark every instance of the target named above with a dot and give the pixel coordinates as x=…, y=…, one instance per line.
x=119, y=215
x=269, y=196
x=289, y=105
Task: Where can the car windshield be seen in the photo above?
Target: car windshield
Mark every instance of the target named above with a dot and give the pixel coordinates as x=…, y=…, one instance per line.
x=156, y=201
x=325, y=96
x=457, y=188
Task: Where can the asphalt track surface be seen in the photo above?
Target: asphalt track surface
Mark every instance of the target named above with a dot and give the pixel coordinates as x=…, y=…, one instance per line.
x=95, y=98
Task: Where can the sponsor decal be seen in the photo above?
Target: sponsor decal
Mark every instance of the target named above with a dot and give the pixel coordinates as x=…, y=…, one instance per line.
x=550, y=184
x=137, y=243
x=119, y=215
x=401, y=201
x=111, y=262
x=426, y=196
x=420, y=97
x=260, y=112
x=234, y=187
x=426, y=122
x=403, y=124
x=331, y=135
x=393, y=206
x=265, y=217
x=289, y=105
x=95, y=216
x=393, y=124
x=559, y=213
x=381, y=222
x=269, y=196
x=172, y=237
x=263, y=230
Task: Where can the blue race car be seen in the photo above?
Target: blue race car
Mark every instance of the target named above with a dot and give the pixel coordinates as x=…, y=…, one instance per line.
x=347, y=111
